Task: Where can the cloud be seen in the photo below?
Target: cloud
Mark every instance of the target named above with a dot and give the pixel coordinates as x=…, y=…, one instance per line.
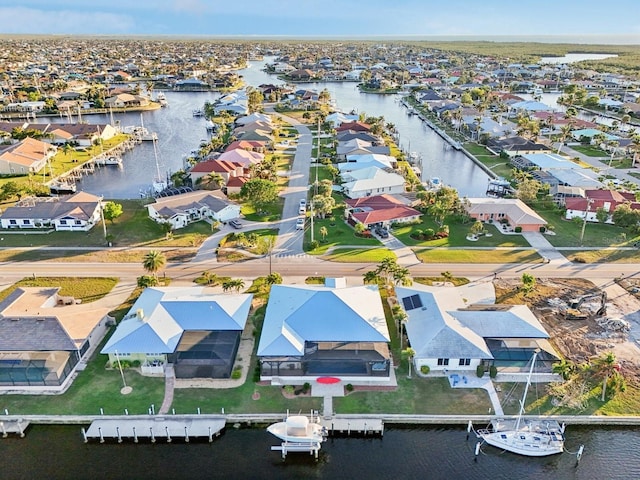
x=29, y=20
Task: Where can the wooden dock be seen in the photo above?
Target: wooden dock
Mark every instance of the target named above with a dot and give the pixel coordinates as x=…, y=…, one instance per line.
x=356, y=425
x=13, y=427
x=155, y=427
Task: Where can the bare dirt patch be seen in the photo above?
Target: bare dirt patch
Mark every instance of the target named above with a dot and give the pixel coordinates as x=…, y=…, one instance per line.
x=581, y=339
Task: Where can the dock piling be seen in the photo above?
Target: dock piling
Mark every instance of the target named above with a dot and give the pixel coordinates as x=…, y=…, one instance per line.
x=84, y=435
x=210, y=436
x=101, y=436
x=118, y=434
x=166, y=429
x=153, y=438
x=135, y=435
x=186, y=434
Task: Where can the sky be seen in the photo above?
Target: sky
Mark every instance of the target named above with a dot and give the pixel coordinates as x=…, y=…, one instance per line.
x=325, y=18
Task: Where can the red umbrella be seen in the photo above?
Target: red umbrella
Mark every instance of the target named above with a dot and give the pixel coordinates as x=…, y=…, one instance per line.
x=328, y=380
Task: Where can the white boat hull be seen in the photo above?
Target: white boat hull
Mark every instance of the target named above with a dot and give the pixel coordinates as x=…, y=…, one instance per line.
x=299, y=430
x=524, y=444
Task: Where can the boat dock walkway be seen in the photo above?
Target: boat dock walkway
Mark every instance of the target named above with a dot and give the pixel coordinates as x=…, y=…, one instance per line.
x=154, y=427
x=13, y=426
x=355, y=424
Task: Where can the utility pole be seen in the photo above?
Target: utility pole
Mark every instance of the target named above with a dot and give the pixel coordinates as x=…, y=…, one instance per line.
x=311, y=221
x=584, y=222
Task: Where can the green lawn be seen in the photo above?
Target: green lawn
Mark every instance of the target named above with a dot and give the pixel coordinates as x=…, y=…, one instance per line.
x=457, y=236
x=339, y=233
x=271, y=212
x=437, y=255
x=567, y=233
x=603, y=256
x=85, y=289
x=359, y=255
x=589, y=150
x=133, y=228
x=94, y=388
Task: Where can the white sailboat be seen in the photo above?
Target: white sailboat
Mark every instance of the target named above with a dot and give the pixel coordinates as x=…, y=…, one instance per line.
x=159, y=183
x=524, y=436
x=298, y=429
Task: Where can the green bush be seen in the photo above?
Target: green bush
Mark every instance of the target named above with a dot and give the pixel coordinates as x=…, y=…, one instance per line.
x=480, y=371
x=236, y=374
x=493, y=371
x=424, y=369
x=518, y=229
x=306, y=387
x=543, y=229
x=135, y=363
x=289, y=389
x=314, y=245
x=349, y=387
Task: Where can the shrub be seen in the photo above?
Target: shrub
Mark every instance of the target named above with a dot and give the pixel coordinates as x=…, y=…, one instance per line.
x=256, y=374
x=349, y=387
x=480, y=371
x=493, y=371
x=543, y=229
x=306, y=387
x=289, y=389
x=135, y=363
x=429, y=232
x=424, y=369
x=313, y=245
x=518, y=229
x=147, y=281
x=236, y=374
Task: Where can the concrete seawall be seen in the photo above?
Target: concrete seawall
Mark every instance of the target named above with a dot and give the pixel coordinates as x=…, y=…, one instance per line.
x=397, y=419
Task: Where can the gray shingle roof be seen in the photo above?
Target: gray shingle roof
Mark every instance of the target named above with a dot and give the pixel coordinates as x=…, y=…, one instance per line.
x=40, y=334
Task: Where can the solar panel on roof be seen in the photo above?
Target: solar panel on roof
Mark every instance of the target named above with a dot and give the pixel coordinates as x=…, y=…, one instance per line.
x=412, y=302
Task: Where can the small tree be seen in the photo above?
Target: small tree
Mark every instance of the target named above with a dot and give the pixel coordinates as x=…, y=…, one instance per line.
x=324, y=232
x=528, y=282
x=274, y=278
x=409, y=353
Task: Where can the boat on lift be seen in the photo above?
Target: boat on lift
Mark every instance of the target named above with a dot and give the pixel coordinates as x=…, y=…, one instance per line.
x=299, y=429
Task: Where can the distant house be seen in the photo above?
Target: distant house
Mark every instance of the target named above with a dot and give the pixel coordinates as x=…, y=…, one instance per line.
x=514, y=146
x=245, y=158
x=608, y=200
x=457, y=329
x=382, y=210
x=371, y=181
x=181, y=210
x=355, y=126
x=124, y=100
x=311, y=331
x=25, y=157
x=84, y=134
x=74, y=213
x=226, y=169
x=196, y=331
x=41, y=343
x=514, y=212
x=356, y=162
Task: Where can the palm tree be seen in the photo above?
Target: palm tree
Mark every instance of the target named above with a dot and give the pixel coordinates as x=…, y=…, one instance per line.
x=233, y=284
x=563, y=368
x=605, y=366
x=211, y=181
x=409, y=353
x=273, y=279
x=323, y=231
x=209, y=277
x=153, y=261
x=371, y=277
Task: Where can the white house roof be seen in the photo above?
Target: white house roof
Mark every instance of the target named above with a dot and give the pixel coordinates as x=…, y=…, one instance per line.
x=446, y=322
x=432, y=331
x=514, y=208
x=157, y=320
x=370, y=178
x=549, y=160
x=299, y=313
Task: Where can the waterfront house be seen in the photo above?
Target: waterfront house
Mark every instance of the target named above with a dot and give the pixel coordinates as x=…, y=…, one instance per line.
x=43, y=337
x=356, y=162
x=384, y=210
x=183, y=209
x=196, y=331
x=514, y=146
x=73, y=213
x=459, y=328
x=126, y=100
x=25, y=157
x=371, y=181
x=311, y=331
x=355, y=126
x=254, y=117
x=359, y=147
x=506, y=213
x=82, y=134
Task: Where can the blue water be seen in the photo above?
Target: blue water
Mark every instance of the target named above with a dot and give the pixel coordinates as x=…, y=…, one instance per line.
x=57, y=452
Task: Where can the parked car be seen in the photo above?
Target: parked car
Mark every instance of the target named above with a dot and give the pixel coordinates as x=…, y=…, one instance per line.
x=300, y=224
x=235, y=224
x=302, y=209
x=382, y=232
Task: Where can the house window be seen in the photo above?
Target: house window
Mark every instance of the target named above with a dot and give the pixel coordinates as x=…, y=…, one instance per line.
x=78, y=222
x=13, y=222
x=26, y=222
x=443, y=361
x=63, y=222
x=464, y=361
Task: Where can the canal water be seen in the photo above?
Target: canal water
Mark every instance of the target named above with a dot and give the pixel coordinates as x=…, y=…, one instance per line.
x=179, y=132
x=58, y=452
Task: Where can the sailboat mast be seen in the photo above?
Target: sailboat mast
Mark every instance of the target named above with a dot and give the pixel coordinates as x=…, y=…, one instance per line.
x=526, y=390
